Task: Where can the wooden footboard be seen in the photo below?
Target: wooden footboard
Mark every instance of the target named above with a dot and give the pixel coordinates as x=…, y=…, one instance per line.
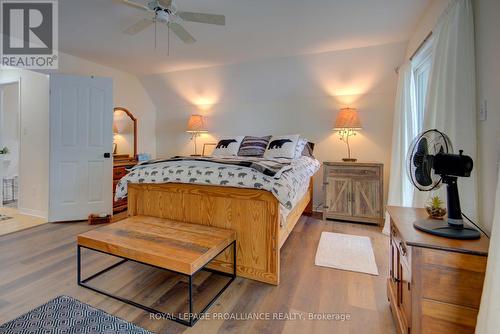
x=253, y=214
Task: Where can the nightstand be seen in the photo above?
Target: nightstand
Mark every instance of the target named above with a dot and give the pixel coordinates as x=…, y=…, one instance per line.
x=354, y=191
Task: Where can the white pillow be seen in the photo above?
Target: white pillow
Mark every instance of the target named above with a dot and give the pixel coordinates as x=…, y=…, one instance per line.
x=281, y=147
x=228, y=147
x=300, y=147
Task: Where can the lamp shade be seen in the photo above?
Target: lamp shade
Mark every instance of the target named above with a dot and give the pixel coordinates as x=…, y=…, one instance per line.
x=115, y=129
x=347, y=118
x=196, y=123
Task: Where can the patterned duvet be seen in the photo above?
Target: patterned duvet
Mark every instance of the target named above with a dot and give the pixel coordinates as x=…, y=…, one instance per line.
x=288, y=186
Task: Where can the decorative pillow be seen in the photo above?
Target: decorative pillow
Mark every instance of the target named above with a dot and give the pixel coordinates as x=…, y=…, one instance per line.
x=253, y=146
x=308, y=150
x=300, y=147
x=281, y=147
x=227, y=147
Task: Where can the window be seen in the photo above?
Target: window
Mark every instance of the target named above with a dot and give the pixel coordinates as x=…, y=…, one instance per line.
x=421, y=66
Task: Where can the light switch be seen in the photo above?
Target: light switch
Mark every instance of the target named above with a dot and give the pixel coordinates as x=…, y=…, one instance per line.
x=483, y=111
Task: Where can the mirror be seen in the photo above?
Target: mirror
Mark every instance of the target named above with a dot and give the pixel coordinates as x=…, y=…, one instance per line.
x=124, y=133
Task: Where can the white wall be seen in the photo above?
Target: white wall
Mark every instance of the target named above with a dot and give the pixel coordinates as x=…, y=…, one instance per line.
x=300, y=94
x=9, y=130
x=426, y=24
x=487, y=27
x=34, y=140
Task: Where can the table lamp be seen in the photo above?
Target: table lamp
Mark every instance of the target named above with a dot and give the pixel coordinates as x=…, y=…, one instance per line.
x=196, y=126
x=346, y=124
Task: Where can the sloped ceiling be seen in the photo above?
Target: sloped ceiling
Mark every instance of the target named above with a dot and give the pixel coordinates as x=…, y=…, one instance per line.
x=255, y=29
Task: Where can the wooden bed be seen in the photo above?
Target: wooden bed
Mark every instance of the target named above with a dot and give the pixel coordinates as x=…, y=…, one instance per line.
x=253, y=214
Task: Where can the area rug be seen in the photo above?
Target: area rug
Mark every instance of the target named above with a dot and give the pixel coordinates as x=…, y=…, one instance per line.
x=68, y=315
x=346, y=252
x=4, y=217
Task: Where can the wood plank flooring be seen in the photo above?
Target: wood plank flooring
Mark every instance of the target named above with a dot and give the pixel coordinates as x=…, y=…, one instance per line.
x=39, y=264
x=19, y=221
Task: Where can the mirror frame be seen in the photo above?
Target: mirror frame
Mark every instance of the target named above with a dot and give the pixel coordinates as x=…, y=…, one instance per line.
x=134, y=119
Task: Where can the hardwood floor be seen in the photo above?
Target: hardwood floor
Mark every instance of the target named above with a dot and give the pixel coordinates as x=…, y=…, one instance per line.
x=39, y=264
x=19, y=221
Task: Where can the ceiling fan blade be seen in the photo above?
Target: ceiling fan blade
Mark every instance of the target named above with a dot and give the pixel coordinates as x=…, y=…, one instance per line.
x=203, y=18
x=165, y=3
x=138, y=27
x=182, y=33
x=134, y=5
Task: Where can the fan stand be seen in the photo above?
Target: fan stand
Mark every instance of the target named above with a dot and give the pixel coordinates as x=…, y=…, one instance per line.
x=453, y=227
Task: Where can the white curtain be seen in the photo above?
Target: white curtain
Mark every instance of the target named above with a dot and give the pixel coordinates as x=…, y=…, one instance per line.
x=404, y=130
x=451, y=100
x=488, y=320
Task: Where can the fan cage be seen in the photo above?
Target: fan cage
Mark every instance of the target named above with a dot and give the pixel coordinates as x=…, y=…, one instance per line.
x=436, y=139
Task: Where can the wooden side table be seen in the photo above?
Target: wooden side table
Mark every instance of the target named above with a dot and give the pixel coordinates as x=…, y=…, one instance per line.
x=354, y=191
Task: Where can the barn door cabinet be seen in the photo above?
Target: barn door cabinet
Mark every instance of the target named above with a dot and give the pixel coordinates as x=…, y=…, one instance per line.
x=353, y=191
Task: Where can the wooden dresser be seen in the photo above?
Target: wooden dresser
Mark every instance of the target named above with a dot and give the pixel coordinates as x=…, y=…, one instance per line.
x=353, y=191
x=435, y=283
x=120, y=170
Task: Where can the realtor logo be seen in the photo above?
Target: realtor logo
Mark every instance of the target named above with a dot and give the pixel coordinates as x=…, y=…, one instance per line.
x=29, y=36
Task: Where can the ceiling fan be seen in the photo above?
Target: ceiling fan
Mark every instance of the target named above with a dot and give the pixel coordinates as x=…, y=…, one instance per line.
x=166, y=12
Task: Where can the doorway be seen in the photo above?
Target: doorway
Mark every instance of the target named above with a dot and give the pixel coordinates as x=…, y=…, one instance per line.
x=9, y=144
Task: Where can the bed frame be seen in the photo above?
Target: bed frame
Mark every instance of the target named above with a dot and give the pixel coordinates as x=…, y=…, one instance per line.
x=252, y=213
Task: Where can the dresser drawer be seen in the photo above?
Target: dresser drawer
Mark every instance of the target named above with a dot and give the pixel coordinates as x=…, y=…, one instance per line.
x=119, y=172
x=350, y=171
x=440, y=317
x=452, y=278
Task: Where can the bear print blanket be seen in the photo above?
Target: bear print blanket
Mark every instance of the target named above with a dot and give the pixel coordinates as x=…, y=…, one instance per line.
x=286, y=179
x=267, y=167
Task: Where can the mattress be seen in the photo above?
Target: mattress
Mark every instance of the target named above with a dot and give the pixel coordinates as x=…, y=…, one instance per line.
x=288, y=185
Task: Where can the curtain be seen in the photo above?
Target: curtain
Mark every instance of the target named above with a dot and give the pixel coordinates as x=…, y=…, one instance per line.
x=488, y=320
x=451, y=100
x=404, y=131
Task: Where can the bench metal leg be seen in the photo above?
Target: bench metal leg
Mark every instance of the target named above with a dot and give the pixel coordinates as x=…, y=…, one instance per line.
x=193, y=317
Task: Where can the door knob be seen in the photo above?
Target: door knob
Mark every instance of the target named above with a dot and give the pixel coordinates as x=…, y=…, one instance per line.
x=107, y=155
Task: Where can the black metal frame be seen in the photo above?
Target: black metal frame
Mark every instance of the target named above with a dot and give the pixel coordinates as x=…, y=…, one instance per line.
x=193, y=318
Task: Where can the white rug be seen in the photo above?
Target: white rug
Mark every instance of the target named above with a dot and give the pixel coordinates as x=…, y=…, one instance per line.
x=346, y=252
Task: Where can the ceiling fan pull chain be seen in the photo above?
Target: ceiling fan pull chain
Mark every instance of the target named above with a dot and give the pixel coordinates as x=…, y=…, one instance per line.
x=168, y=40
x=155, y=34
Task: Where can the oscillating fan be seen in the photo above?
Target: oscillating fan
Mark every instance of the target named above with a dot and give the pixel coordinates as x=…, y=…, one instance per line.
x=430, y=163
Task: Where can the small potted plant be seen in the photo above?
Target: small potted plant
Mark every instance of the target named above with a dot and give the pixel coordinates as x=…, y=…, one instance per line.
x=435, y=208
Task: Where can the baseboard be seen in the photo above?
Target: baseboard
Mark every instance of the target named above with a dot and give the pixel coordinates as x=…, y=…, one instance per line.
x=34, y=213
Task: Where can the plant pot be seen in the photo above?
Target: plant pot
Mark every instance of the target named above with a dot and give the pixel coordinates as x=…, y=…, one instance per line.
x=435, y=213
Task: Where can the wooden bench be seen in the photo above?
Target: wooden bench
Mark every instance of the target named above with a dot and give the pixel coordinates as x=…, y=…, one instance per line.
x=179, y=247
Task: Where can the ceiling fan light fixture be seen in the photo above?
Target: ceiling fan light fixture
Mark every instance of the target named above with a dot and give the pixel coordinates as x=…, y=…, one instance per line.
x=162, y=16
x=165, y=12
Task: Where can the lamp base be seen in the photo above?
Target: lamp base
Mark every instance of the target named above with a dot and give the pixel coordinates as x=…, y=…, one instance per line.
x=196, y=155
x=349, y=159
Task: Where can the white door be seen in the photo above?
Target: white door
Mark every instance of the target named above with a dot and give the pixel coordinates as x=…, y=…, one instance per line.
x=81, y=142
